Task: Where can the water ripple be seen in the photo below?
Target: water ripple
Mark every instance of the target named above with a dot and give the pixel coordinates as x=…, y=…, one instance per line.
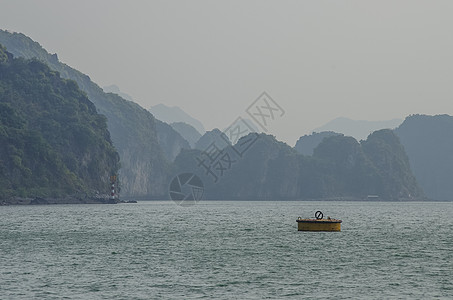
x=226, y=250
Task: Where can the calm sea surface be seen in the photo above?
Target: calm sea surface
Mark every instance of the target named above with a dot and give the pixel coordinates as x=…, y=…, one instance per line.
x=226, y=250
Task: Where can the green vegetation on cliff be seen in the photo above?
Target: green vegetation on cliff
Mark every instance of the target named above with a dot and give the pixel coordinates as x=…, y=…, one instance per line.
x=395, y=178
x=144, y=167
x=52, y=141
x=340, y=168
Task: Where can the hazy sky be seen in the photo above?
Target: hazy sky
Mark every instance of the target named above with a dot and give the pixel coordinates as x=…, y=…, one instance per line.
x=319, y=60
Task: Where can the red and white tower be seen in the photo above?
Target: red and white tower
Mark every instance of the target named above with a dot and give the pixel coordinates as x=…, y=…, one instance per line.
x=112, y=181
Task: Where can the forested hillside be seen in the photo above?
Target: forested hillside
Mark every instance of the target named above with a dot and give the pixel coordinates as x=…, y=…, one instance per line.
x=144, y=167
x=53, y=143
x=341, y=168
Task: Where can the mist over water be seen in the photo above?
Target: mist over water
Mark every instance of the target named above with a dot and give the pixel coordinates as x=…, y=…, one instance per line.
x=226, y=250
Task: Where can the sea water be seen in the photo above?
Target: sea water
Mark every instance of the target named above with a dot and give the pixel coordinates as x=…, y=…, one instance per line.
x=226, y=250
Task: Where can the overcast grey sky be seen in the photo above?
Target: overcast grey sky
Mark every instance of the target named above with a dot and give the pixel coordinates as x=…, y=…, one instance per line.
x=319, y=60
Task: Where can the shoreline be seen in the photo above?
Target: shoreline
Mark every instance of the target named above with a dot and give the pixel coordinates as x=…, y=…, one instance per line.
x=54, y=201
x=75, y=200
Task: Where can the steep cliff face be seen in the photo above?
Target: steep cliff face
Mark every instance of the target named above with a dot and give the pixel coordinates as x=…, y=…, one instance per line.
x=52, y=140
x=428, y=142
x=144, y=167
x=188, y=132
x=268, y=169
x=170, y=141
x=340, y=168
x=396, y=180
x=351, y=173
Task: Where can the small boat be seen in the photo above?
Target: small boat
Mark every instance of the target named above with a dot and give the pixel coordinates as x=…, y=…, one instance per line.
x=318, y=224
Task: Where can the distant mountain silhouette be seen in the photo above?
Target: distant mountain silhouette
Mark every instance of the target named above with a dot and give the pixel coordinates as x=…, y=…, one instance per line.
x=341, y=168
x=170, y=140
x=188, y=132
x=250, y=124
x=359, y=129
x=213, y=136
x=116, y=90
x=428, y=141
x=307, y=143
x=175, y=114
x=241, y=127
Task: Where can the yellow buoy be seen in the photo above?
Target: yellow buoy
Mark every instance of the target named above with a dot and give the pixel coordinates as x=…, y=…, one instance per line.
x=318, y=224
